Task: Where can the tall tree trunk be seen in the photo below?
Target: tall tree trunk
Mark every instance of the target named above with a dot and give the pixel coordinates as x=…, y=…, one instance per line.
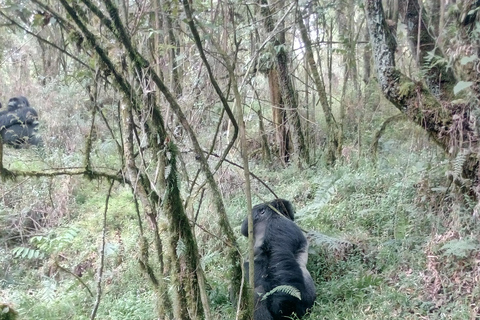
x=346, y=29
x=290, y=98
x=288, y=95
x=279, y=117
x=332, y=128
x=367, y=58
x=266, y=155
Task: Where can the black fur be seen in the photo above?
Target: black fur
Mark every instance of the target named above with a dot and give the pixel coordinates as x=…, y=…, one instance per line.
x=20, y=135
x=19, y=123
x=280, y=259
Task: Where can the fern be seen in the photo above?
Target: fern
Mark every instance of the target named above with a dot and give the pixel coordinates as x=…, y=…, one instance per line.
x=48, y=293
x=27, y=253
x=55, y=242
x=181, y=248
x=459, y=162
x=459, y=248
x=48, y=244
x=326, y=191
x=456, y=174
x=290, y=290
x=406, y=89
x=318, y=239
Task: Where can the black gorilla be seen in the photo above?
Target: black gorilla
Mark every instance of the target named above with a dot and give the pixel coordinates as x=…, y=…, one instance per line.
x=19, y=123
x=281, y=254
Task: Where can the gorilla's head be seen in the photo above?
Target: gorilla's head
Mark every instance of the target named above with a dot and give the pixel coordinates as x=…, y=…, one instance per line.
x=17, y=103
x=269, y=210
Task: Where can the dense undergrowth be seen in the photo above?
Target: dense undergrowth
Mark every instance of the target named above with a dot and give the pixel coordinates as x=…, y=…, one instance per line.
x=412, y=242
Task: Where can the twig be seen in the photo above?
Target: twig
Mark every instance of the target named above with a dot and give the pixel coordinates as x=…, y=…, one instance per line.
x=77, y=277
x=251, y=173
x=102, y=254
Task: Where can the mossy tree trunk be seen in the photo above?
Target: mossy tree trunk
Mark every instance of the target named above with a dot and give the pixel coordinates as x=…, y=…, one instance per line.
x=430, y=104
x=438, y=76
x=183, y=249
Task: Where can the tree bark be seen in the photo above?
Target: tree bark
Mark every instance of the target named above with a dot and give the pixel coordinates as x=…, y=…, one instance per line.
x=183, y=249
x=279, y=117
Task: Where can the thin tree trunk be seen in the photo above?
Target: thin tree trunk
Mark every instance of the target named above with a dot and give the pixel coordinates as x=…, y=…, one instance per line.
x=367, y=58
x=266, y=155
x=174, y=49
x=182, y=245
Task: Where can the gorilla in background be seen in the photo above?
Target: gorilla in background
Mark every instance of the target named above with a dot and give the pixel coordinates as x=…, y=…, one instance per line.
x=19, y=123
x=281, y=254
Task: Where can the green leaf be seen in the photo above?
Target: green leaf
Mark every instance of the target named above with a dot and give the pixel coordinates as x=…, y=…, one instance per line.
x=466, y=60
x=461, y=85
x=472, y=11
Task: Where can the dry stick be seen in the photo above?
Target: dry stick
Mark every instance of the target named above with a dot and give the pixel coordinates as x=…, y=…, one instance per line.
x=199, y=205
x=102, y=254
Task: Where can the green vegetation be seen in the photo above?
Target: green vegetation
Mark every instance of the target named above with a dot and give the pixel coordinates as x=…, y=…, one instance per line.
x=412, y=254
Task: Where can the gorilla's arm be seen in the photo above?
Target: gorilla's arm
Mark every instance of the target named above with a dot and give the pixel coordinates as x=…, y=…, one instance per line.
x=7, y=120
x=21, y=116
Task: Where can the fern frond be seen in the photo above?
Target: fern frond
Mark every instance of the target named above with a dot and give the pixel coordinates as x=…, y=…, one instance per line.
x=27, y=253
x=290, y=290
x=318, y=239
x=459, y=162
